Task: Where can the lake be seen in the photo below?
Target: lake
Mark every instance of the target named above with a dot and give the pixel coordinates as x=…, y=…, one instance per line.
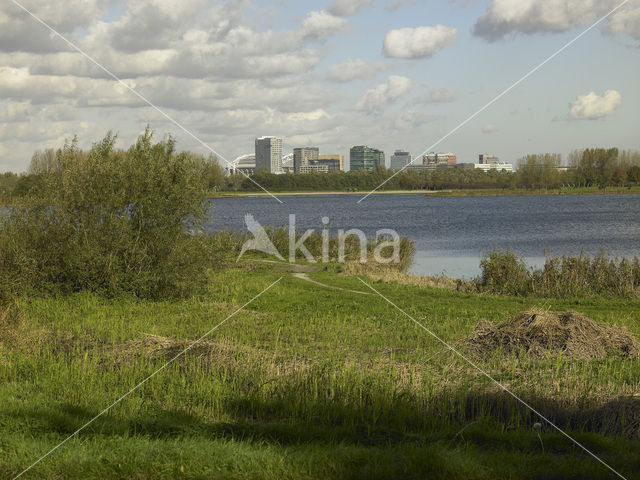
x=452, y=233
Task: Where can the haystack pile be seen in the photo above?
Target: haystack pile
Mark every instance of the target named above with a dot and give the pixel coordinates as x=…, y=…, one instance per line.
x=539, y=332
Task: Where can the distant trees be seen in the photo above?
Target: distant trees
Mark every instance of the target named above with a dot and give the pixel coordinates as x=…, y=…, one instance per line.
x=540, y=170
x=585, y=168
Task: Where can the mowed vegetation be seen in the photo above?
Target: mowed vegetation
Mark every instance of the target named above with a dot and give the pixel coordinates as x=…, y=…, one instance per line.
x=306, y=381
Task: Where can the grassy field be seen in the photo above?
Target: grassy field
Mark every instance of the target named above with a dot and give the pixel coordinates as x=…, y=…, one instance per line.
x=306, y=382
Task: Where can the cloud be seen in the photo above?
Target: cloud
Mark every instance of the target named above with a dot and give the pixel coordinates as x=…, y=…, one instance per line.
x=397, y=4
x=19, y=32
x=407, y=120
x=353, y=69
x=439, y=95
x=503, y=17
x=592, y=106
x=626, y=20
x=418, y=42
x=349, y=7
x=319, y=25
x=383, y=94
x=489, y=128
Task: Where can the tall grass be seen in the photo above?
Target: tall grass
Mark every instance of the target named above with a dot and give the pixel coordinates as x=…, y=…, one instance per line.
x=503, y=272
x=231, y=243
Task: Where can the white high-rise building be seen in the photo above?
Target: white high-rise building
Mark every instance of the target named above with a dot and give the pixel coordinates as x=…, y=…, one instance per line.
x=269, y=153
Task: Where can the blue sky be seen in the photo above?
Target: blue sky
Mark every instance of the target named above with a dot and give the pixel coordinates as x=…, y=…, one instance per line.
x=231, y=71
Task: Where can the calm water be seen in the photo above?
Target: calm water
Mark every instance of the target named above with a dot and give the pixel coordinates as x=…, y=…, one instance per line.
x=451, y=234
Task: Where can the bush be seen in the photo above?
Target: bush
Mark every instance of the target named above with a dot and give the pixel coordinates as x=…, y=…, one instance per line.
x=503, y=272
x=110, y=221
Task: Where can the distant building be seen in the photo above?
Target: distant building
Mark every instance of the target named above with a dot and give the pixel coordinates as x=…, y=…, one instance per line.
x=448, y=158
x=243, y=164
x=314, y=168
x=487, y=159
x=304, y=157
x=400, y=159
x=287, y=163
x=362, y=157
x=507, y=167
x=333, y=162
x=269, y=153
x=442, y=158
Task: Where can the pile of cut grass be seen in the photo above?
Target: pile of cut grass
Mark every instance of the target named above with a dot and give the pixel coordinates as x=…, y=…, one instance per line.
x=539, y=332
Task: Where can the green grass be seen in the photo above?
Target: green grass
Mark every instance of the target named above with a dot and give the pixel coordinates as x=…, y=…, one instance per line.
x=306, y=382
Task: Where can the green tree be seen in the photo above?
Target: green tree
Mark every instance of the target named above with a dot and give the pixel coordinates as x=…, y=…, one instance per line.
x=111, y=221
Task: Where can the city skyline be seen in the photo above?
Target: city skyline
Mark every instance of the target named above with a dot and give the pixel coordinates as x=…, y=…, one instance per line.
x=393, y=74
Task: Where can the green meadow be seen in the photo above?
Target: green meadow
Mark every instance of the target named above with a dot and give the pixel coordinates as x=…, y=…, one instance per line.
x=305, y=382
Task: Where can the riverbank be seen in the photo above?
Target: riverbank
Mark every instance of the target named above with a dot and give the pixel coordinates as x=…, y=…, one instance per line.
x=312, y=379
x=475, y=192
x=313, y=192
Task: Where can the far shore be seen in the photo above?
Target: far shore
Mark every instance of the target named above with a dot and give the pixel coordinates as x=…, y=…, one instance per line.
x=470, y=192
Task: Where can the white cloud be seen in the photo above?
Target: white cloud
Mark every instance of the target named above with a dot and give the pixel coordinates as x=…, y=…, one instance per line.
x=418, y=42
x=489, y=128
x=19, y=32
x=353, y=69
x=397, y=4
x=592, y=106
x=407, y=120
x=319, y=25
x=349, y=7
x=438, y=95
x=503, y=17
x=626, y=20
x=383, y=94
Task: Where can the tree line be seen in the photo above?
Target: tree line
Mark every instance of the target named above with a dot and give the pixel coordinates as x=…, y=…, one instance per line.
x=586, y=168
x=591, y=167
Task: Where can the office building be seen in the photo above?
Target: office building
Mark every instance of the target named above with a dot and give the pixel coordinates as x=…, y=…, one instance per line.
x=333, y=162
x=304, y=157
x=269, y=154
x=399, y=160
x=507, y=167
x=314, y=168
x=442, y=158
x=487, y=159
x=362, y=157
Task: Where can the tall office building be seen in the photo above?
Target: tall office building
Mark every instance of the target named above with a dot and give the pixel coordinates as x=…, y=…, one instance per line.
x=269, y=153
x=303, y=157
x=362, y=157
x=333, y=162
x=400, y=159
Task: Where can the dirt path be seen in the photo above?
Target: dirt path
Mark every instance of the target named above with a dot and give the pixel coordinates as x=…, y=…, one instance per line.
x=304, y=276
x=302, y=272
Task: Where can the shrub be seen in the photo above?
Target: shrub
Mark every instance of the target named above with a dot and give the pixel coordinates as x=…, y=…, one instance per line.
x=110, y=221
x=503, y=272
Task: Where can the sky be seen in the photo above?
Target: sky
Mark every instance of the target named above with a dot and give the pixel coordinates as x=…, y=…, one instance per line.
x=392, y=74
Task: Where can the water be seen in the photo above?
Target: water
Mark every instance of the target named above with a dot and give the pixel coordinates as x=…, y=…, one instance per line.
x=452, y=233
